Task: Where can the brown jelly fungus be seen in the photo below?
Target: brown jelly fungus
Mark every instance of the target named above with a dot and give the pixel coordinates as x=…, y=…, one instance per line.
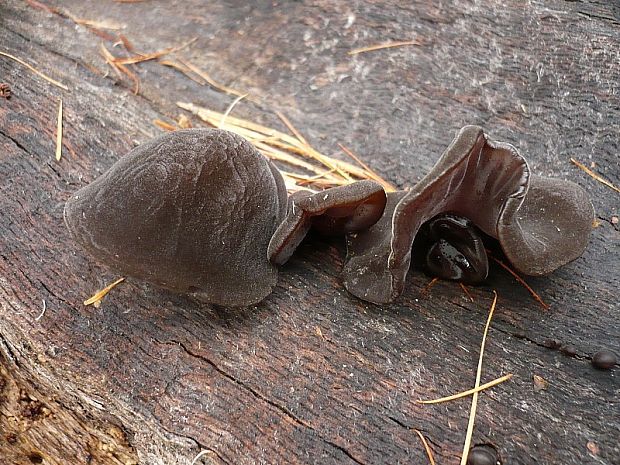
x=196, y=211
x=604, y=360
x=336, y=211
x=202, y=211
x=482, y=455
x=191, y=211
x=540, y=223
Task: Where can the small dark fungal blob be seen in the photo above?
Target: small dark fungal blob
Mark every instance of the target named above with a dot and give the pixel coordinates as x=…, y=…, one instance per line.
x=191, y=211
x=450, y=247
x=541, y=224
x=482, y=455
x=604, y=360
x=569, y=350
x=336, y=211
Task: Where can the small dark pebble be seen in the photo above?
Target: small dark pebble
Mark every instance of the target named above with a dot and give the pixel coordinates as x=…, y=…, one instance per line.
x=569, y=351
x=482, y=455
x=604, y=360
x=551, y=344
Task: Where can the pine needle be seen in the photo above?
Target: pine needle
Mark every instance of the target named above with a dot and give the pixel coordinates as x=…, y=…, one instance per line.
x=466, y=291
x=230, y=108
x=139, y=58
x=372, y=48
x=278, y=145
x=102, y=293
x=521, y=281
x=183, y=69
x=386, y=185
x=34, y=70
x=292, y=128
x=429, y=452
x=488, y=385
x=474, y=399
x=594, y=175
x=59, y=132
x=194, y=69
x=163, y=125
x=429, y=286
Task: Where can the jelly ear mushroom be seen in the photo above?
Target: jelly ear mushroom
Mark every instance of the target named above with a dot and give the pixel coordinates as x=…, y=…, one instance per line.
x=191, y=211
x=541, y=223
x=336, y=211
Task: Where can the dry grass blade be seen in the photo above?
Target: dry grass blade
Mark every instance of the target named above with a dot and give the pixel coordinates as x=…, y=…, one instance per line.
x=521, y=281
x=34, y=70
x=474, y=399
x=469, y=392
x=59, y=132
x=427, y=448
x=202, y=453
x=372, y=48
x=591, y=173
x=102, y=293
x=292, y=149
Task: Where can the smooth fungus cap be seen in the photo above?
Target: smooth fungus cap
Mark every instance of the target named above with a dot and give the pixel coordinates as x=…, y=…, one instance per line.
x=191, y=211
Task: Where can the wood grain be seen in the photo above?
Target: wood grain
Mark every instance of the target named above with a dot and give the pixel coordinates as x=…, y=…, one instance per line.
x=311, y=375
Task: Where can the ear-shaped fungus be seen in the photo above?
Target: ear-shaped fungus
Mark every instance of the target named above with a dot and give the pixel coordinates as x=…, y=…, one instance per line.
x=336, y=211
x=541, y=223
x=191, y=211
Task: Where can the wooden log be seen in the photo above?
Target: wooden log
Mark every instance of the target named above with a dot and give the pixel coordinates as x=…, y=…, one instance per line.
x=311, y=375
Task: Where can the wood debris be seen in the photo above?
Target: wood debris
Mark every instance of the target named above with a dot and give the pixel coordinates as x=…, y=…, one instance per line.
x=120, y=64
x=466, y=291
x=5, y=90
x=96, y=298
x=540, y=383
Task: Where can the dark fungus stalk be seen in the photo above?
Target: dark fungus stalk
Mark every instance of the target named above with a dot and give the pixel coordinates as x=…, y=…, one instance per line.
x=201, y=211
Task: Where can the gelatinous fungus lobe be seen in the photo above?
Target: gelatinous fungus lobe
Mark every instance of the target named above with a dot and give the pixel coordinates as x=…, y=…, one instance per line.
x=336, y=211
x=191, y=211
x=540, y=223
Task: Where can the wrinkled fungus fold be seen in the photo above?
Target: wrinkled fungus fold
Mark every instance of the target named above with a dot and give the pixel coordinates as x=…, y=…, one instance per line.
x=540, y=223
x=336, y=211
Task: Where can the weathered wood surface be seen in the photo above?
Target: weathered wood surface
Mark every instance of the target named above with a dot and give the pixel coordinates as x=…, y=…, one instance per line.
x=311, y=375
